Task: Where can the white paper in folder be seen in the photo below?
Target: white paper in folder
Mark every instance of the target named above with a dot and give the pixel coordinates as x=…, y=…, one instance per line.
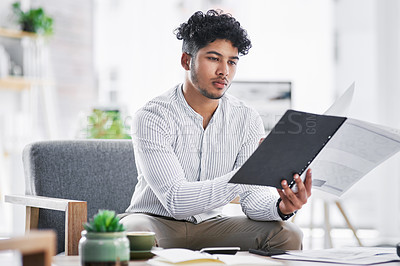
x=354, y=150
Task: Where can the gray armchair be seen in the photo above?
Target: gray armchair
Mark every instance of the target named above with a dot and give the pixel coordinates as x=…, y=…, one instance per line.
x=77, y=177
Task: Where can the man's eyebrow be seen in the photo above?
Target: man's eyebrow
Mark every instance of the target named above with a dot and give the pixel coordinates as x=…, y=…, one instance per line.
x=218, y=54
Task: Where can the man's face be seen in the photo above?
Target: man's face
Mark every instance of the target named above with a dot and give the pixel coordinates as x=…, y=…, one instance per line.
x=213, y=68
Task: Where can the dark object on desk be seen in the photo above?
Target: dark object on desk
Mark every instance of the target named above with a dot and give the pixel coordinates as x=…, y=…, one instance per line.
x=221, y=250
x=398, y=249
x=268, y=253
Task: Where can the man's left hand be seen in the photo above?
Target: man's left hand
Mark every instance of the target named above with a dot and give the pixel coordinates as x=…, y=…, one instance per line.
x=292, y=201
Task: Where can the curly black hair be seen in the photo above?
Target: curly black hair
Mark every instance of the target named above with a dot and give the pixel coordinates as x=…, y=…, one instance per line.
x=202, y=29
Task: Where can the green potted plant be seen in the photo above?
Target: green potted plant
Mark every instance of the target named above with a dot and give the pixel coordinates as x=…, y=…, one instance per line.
x=106, y=124
x=33, y=20
x=104, y=241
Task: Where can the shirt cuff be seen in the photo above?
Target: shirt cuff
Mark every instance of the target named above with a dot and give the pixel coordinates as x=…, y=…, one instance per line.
x=274, y=210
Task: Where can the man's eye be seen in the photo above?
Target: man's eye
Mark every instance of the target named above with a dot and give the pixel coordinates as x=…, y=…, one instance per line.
x=233, y=63
x=213, y=58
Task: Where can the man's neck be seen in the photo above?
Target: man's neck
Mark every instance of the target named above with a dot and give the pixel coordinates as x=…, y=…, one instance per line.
x=200, y=103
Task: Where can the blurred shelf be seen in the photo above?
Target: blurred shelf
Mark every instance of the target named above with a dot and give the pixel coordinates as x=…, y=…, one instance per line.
x=21, y=83
x=17, y=34
x=15, y=83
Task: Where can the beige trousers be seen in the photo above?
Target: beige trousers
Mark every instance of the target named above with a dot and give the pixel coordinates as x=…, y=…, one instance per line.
x=237, y=231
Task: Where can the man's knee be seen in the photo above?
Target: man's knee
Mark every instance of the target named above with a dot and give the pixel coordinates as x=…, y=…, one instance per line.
x=136, y=222
x=283, y=235
x=291, y=237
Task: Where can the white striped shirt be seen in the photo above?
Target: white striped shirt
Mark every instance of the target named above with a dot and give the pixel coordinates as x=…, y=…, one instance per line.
x=183, y=169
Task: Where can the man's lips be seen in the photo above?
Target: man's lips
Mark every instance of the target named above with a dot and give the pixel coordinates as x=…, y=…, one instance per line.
x=220, y=84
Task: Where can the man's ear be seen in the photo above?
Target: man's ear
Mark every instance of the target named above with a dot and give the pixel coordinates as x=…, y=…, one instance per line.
x=185, y=61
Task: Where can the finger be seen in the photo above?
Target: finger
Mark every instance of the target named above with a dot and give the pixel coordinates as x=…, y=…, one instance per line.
x=290, y=195
x=300, y=185
x=288, y=206
x=301, y=192
x=308, y=182
x=285, y=186
x=281, y=194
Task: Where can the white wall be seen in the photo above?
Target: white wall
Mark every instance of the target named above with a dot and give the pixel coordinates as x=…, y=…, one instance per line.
x=292, y=41
x=388, y=95
x=136, y=39
x=369, y=53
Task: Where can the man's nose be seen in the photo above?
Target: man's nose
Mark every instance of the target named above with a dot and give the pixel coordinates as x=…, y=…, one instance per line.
x=223, y=69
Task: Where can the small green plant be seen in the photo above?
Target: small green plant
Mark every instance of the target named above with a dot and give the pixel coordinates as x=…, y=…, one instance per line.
x=106, y=125
x=33, y=20
x=104, y=221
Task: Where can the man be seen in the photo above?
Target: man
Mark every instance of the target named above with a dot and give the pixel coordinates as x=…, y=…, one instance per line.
x=190, y=141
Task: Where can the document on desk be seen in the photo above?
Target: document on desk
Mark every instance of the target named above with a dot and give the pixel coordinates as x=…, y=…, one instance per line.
x=348, y=255
x=181, y=256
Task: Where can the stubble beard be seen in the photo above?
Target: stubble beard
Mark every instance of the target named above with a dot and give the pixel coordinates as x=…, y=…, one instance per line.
x=203, y=91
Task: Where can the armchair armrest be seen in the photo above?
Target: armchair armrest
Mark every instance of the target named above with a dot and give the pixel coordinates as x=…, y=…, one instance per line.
x=75, y=215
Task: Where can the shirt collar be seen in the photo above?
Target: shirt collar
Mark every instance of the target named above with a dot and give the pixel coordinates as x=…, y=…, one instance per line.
x=189, y=110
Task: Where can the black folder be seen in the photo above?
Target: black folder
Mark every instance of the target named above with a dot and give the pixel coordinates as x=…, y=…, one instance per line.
x=289, y=148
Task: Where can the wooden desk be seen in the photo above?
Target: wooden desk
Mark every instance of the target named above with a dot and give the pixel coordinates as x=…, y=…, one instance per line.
x=36, y=247
x=75, y=261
